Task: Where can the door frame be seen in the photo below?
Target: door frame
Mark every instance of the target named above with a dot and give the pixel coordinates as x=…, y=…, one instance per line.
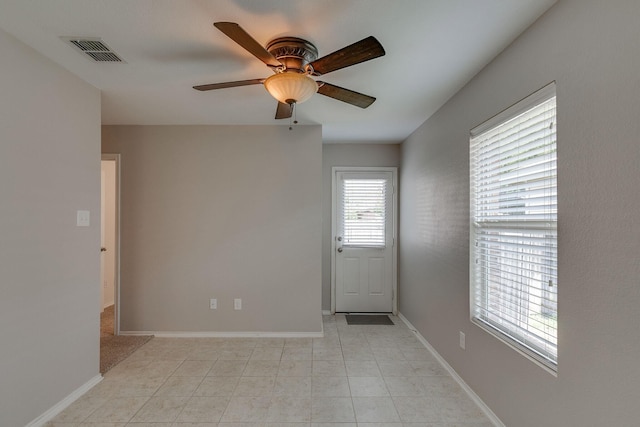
x=334, y=212
x=116, y=274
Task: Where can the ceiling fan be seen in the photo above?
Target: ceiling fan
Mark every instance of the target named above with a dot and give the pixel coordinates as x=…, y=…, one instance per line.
x=294, y=61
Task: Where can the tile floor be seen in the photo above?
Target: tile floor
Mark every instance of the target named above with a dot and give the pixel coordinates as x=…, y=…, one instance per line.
x=366, y=376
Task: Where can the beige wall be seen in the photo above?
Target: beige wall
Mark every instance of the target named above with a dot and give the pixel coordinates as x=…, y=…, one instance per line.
x=219, y=212
x=346, y=155
x=50, y=290
x=108, y=168
x=591, y=49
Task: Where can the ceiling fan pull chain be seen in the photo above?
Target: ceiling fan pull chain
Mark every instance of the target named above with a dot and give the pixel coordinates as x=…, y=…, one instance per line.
x=293, y=116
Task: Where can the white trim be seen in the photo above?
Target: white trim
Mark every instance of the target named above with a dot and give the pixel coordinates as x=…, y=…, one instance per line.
x=483, y=406
x=537, y=97
x=214, y=334
x=326, y=312
x=64, y=403
x=394, y=252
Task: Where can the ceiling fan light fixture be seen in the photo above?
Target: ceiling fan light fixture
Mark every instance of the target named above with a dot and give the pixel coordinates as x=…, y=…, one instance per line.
x=291, y=87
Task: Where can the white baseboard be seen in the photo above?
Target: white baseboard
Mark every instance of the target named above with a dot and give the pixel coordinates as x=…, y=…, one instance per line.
x=326, y=312
x=213, y=334
x=483, y=406
x=64, y=403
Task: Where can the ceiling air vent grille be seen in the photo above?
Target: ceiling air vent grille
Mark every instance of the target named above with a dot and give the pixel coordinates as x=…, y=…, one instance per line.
x=94, y=48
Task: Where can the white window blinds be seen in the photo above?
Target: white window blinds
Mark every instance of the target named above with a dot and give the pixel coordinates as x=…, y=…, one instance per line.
x=364, y=212
x=514, y=267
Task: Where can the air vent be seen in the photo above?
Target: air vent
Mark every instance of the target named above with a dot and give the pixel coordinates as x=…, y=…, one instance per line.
x=94, y=48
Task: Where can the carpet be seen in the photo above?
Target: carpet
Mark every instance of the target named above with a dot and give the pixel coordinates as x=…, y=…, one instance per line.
x=368, y=319
x=114, y=349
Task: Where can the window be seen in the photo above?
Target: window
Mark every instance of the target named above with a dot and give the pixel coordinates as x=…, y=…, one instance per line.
x=364, y=212
x=514, y=267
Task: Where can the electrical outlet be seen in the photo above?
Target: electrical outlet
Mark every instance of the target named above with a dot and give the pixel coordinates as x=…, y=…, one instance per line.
x=462, y=340
x=83, y=218
x=213, y=304
x=237, y=304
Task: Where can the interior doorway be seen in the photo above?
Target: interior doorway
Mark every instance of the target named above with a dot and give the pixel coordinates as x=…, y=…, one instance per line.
x=109, y=250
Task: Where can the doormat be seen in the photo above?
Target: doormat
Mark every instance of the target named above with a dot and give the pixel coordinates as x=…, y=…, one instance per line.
x=368, y=319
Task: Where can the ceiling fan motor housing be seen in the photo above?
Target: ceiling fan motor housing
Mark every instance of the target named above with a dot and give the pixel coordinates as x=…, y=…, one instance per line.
x=293, y=52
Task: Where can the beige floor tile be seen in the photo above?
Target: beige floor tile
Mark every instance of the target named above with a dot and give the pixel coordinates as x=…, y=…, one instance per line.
x=368, y=387
x=375, y=409
x=292, y=386
x=216, y=386
x=442, y=387
x=235, y=354
x=255, y=386
x=259, y=368
x=101, y=425
x=459, y=409
x=289, y=409
x=330, y=341
x=427, y=368
x=160, y=368
x=228, y=368
x=328, y=368
x=266, y=353
x=363, y=353
x=349, y=338
x=400, y=368
x=417, y=354
x=117, y=409
x=161, y=409
x=298, y=342
x=247, y=409
x=135, y=386
x=203, y=353
x=179, y=386
x=180, y=354
x=332, y=409
x=270, y=342
x=297, y=353
x=203, y=409
x=379, y=376
x=334, y=425
x=330, y=387
x=295, y=368
x=387, y=354
x=417, y=409
x=405, y=386
x=239, y=343
x=80, y=409
x=193, y=368
x=364, y=368
x=328, y=353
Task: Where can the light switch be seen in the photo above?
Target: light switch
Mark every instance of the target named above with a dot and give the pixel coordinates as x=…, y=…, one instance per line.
x=83, y=218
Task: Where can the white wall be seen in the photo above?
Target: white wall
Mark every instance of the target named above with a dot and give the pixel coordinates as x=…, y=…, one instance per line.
x=357, y=155
x=49, y=290
x=219, y=212
x=590, y=48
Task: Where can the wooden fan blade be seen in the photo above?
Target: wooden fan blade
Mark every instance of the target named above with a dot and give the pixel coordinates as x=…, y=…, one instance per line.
x=364, y=50
x=284, y=111
x=345, y=95
x=229, y=84
x=240, y=36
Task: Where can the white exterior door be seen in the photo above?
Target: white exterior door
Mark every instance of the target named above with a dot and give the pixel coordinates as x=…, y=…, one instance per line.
x=364, y=240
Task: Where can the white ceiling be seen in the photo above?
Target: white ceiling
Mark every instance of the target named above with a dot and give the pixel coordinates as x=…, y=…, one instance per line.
x=433, y=48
